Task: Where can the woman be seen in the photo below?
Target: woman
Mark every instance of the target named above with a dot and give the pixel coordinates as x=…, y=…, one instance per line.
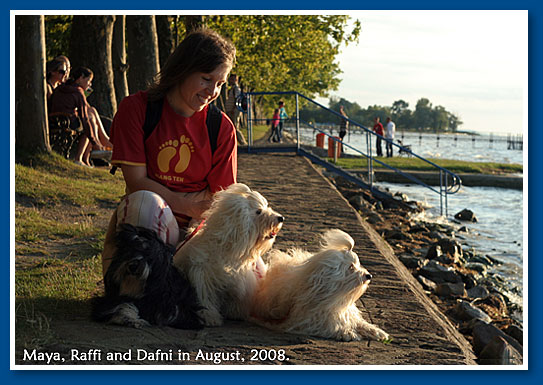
x=172, y=174
x=69, y=99
x=55, y=70
x=94, y=117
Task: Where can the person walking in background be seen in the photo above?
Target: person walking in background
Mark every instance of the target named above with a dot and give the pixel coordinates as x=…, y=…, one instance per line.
x=282, y=116
x=389, y=134
x=274, y=124
x=378, y=129
x=230, y=105
x=344, y=124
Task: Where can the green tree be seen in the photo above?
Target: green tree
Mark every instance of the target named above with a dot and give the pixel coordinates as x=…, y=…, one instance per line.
x=57, y=35
x=454, y=121
x=440, y=119
x=422, y=116
x=401, y=113
x=287, y=53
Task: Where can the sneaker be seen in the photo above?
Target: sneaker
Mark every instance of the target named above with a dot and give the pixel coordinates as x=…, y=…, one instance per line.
x=101, y=154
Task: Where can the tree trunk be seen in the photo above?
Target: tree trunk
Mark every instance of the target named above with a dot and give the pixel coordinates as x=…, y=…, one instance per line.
x=90, y=46
x=142, y=51
x=166, y=43
x=31, y=129
x=118, y=58
x=193, y=22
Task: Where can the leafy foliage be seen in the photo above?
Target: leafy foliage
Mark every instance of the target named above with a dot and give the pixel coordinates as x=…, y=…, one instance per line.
x=287, y=53
x=57, y=35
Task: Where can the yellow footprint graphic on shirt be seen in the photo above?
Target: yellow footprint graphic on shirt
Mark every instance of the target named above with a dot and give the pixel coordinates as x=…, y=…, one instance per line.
x=169, y=149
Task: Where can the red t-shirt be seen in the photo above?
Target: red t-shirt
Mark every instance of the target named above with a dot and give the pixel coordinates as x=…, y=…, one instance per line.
x=378, y=128
x=177, y=154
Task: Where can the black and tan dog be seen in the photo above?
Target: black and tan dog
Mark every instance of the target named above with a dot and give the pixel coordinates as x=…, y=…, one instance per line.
x=142, y=286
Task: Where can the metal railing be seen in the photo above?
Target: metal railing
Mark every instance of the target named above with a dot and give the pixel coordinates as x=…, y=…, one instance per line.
x=445, y=188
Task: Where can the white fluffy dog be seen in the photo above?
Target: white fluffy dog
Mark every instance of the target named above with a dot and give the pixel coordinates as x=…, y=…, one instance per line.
x=315, y=294
x=223, y=259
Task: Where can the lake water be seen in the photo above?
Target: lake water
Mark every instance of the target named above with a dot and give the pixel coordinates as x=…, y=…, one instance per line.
x=499, y=231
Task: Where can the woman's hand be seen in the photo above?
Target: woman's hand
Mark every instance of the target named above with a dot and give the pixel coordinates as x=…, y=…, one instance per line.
x=196, y=209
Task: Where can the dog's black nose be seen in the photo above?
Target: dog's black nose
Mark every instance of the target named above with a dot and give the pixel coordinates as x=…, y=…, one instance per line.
x=280, y=219
x=368, y=277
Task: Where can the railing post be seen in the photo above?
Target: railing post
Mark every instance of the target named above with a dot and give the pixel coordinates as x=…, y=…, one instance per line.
x=249, y=124
x=441, y=191
x=446, y=197
x=297, y=124
x=370, y=160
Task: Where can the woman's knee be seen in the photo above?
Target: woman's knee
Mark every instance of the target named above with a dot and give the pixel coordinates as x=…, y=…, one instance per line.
x=148, y=209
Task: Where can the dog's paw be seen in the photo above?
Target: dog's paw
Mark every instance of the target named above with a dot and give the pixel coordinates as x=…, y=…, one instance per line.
x=373, y=332
x=210, y=317
x=382, y=336
x=348, y=335
x=138, y=323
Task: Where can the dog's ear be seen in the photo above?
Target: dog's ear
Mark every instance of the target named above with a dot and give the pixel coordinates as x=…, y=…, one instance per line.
x=231, y=221
x=337, y=239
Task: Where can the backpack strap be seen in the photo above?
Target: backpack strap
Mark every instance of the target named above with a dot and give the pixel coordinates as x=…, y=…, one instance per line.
x=153, y=112
x=213, y=123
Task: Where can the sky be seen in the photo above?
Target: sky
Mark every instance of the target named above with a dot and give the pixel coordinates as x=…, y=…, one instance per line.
x=473, y=63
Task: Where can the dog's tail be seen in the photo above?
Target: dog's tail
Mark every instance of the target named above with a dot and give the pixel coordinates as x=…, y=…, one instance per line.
x=337, y=240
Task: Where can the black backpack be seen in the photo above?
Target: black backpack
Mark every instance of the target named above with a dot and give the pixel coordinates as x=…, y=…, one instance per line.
x=153, y=113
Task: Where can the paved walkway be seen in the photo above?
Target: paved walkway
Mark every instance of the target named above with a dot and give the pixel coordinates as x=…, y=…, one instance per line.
x=310, y=204
x=394, y=301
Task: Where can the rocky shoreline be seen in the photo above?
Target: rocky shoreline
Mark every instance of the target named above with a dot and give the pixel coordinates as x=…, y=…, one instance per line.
x=452, y=274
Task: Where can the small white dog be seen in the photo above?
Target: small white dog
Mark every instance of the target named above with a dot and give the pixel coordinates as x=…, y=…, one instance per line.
x=315, y=294
x=223, y=259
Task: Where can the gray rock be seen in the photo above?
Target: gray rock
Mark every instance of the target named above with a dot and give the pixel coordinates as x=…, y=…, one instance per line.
x=466, y=311
x=448, y=289
x=436, y=235
x=439, y=273
x=427, y=283
x=499, y=352
x=469, y=280
x=374, y=218
x=434, y=252
x=359, y=203
x=445, y=250
x=410, y=261
x=401, y=196
x=466, y=215
x=483, y=334
x=478, y=292
x=398, y=235
x=418, y=229
x=515, y=332
x=478, y=267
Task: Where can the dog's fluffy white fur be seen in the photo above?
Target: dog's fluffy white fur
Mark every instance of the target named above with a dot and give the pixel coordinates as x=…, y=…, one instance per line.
x=223, y=259
x=315, y=294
